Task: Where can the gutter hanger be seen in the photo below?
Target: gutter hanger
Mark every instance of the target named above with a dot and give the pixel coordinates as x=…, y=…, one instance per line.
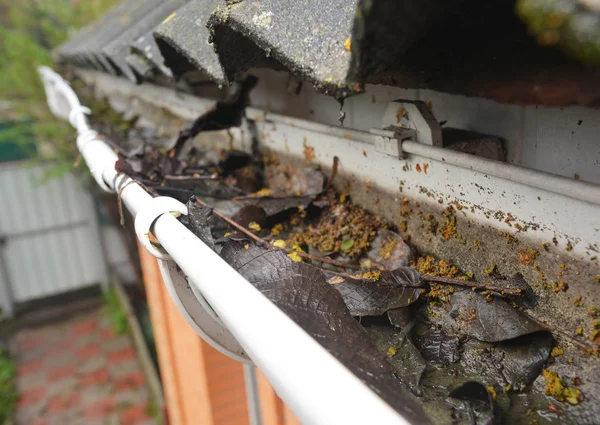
x=314, y=384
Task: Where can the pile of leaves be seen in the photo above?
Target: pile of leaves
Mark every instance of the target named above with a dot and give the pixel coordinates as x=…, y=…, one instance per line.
x=437, y=346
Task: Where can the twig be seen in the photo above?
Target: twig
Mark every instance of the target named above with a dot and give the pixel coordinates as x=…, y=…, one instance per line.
x=184, y=178
x=334, y=171
x=263, y=242
x=470, y=284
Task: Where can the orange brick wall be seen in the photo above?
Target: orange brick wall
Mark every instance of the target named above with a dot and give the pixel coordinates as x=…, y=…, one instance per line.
x=201, y=385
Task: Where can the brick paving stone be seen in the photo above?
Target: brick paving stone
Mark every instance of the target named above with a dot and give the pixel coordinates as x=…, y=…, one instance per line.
x=29, y=355
x=62, y=372
x=135, y=415
x=64, y=402
x=92, y=364
x=130, y=381
x=95, y=377
x=93, y=394
x=78, y=372
x=100, y=408
x=31, y=396
x=117, y=370
x=131, y=398
x=59, y=361
x=108, y=334
x=89, y=351
x=122, y=355
x=85, y=327
x=63, y=386
x=84, y=340
x=38, y=421
x=29, y=381
x=117, y=343
x=31, y=367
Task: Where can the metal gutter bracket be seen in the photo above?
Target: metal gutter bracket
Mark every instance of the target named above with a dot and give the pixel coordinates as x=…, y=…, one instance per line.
x=406, y=120
x=389, y=140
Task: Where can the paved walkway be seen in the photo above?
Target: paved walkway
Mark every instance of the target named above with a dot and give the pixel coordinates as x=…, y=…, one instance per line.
x=79, y=372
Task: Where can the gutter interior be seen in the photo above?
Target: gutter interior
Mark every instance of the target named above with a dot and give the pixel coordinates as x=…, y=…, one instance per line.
x=558, y=140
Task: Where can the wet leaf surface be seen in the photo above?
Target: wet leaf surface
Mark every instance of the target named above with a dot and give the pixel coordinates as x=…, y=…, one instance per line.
x=394, y=289
x=389, y=249
x=474, y=401
x=471, y=314
x=515, y=362
x=271, y=205
x=197, y=221
x=399, y=317
x=302, y=292
x=437, y=347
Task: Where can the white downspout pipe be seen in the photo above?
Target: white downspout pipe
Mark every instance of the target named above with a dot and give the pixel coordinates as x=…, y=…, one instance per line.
x=313, y=383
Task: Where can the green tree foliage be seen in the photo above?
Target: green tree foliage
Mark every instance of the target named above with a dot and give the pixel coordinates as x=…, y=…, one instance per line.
x=29, y=31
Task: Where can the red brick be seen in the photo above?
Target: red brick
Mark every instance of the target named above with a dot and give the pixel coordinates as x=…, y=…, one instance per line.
x=63, y=402
x=131, y=381
x=98, y=376
x=31, y=342
x=84, y=327
x=135, y=414
x=31, y=396
x=61, y=347
x=108, y=334
x=88, y=351
x=122, y=355
x=62, y=372
x=38, y=421
x=100, y=409
x=30, y=367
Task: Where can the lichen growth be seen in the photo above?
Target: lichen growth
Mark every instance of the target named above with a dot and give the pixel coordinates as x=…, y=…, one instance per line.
x=557, y=388
x=339, y=224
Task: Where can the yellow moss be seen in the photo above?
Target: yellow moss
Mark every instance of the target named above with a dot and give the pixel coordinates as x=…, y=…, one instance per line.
x=309, y=151
x=387, y=248
x=227, y=234
x=262, y=193
x=254, y=226
x=279, y=243
x=372, y=275
x=403, y=226
x=448, y=226
x=348, y=43
x=491, y=269
x=557, y=388
x=392, y=351
x=277, y=229
x=295, y=257
x=528, y=256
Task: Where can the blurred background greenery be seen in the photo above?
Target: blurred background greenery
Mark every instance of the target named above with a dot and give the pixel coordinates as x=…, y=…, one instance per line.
x=29, y=31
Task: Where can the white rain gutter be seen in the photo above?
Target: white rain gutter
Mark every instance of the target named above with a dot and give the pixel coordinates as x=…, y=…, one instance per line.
x=313, y=383
x=581, y=190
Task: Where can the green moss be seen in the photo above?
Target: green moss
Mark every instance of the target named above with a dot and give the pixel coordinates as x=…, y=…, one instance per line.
x=8, y=391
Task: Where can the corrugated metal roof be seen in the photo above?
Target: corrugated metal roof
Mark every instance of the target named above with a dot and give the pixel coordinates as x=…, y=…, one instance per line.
x=461, y=46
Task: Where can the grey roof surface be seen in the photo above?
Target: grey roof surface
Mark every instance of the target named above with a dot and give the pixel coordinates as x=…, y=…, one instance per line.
x=184, y=40
x=461, y=46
